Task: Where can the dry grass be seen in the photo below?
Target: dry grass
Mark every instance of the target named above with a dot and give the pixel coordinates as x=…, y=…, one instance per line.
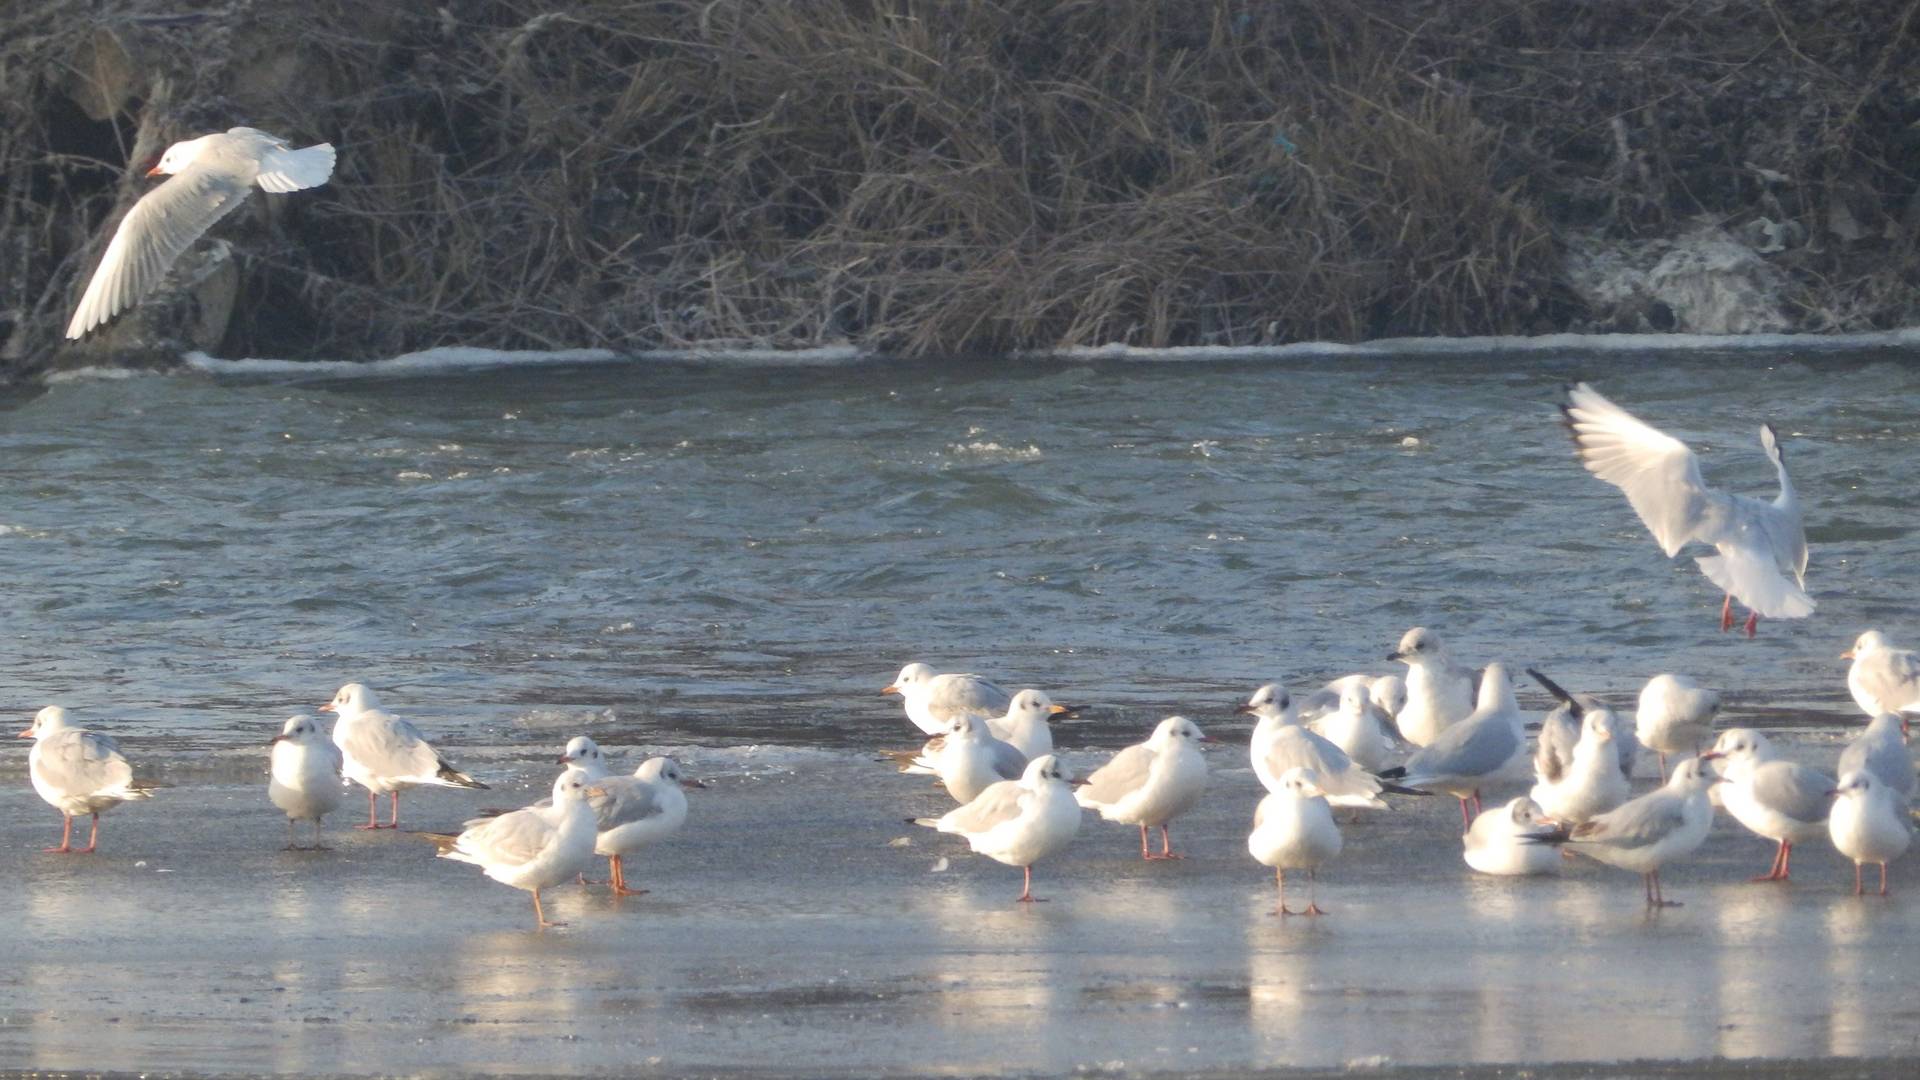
x=963, y=177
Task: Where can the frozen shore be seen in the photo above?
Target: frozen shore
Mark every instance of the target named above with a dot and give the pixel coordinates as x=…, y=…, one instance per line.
x=788, y=932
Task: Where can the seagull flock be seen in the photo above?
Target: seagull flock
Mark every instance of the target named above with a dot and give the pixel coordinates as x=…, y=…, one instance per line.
x=1443, y=728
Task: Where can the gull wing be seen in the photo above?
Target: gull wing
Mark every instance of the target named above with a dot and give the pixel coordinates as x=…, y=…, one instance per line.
x=1113, y=781
x=1000, y=802
x=162, y=225
x=1659, y=475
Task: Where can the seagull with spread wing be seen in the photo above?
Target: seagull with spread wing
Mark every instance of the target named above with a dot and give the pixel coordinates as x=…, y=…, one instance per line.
x=1761, y=546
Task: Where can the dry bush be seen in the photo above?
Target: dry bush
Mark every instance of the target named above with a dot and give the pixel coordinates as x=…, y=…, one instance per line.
x=976, y=177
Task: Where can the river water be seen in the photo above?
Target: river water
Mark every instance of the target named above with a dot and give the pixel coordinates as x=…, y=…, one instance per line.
x=731, y=561
x=727, y=555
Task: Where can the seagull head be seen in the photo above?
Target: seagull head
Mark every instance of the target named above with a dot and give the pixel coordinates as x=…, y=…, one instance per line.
x=180, y=155
x=353, y=698
x=579, y=751
x=45, y=722
x=911, y=677
x=298, y=729
x=1866, y=644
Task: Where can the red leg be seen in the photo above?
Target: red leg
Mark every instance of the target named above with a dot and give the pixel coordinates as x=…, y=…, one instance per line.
x=1466, y=819
x=619, y=870
x=66, y=837
x=1778, y=872
x=1026, y=890
x=1753, y=621
x=1144, y=852
x=1660, y=898
x=1313, y=879
x=393, y=822
x=540, y=917
x=1883, y=879
x=1663, y=768
x=372, y=822
x=1726, y=614
x=1476, y=802
x=93, y=837
x=1166, y=845
x=1280, y=878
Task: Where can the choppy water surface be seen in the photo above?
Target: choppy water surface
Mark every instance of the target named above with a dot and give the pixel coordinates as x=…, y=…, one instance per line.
x=728, y=555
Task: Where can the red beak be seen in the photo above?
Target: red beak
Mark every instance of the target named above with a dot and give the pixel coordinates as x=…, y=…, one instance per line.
x=328, y=707
x=27, y=734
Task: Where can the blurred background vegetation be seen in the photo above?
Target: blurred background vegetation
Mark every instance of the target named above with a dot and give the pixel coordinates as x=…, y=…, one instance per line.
x=967, y=177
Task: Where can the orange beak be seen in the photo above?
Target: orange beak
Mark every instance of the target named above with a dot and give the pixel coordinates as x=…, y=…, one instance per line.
x=889, y=689
x=693, y=785
x=155, y=171
x=1056, y=710
x=27, y=734
x=328, y=707
x=1848, y=655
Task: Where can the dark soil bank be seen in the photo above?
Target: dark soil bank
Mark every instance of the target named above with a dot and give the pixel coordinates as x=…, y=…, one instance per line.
x=972, y=177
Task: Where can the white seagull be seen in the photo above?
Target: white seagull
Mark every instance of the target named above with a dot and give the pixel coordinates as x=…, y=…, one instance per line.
x=304, y=776
x=1017, y=822
x=1440, y=693
x=632, y=812
x=79, y=772
x=1882, y=750
x=1868, y=824
x=1362, y=727
x=1497, y=842
x=1646, y=833
x=966, y=759
x=1025, y=727
x=1675, y=716
x=1761, y=544
x=1281, y=743
x=1486, y=747
x=934, y=701
x=385, y=754
x=532, y=849
x=1781, y=800
x=211, y=176
x=1591, y=783
x=1883, y=679
x=1151, y=783
x=584, y=754
x=1293, y=829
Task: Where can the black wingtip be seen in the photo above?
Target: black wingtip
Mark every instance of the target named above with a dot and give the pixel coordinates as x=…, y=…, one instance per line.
x=1558, y=692
x=1395, y=773
x=1554, y=837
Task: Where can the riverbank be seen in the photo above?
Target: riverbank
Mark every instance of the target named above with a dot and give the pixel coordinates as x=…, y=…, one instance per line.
x=969, y=179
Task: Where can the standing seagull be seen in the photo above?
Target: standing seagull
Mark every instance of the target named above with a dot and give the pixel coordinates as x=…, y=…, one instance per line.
x=966, y=759
x=1781, y=800
x=1883, y=679
x=1485, y=747
x=384, y=753
x=1293, y=829
x=1646, y=833
x=1759, y=543
x=1439, y=692
x=535, y=848
x=1882, y=750
x=632, y=812
x=211, y=176
x=1282, y=743
x=304, y=776
x=935, y=701
x=79, y=772
x=1018, y=822
x=1151, y=783
x=1868, y=824
x=1675, y=716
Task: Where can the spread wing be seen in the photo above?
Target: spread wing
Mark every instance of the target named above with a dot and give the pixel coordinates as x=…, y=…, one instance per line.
x=998, y=803
x=1114, y=780
x=162, y=225
x=628, y=799
x=1659, y=475
x=82, y=763
x=1794, y=790
x=1553, y=751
